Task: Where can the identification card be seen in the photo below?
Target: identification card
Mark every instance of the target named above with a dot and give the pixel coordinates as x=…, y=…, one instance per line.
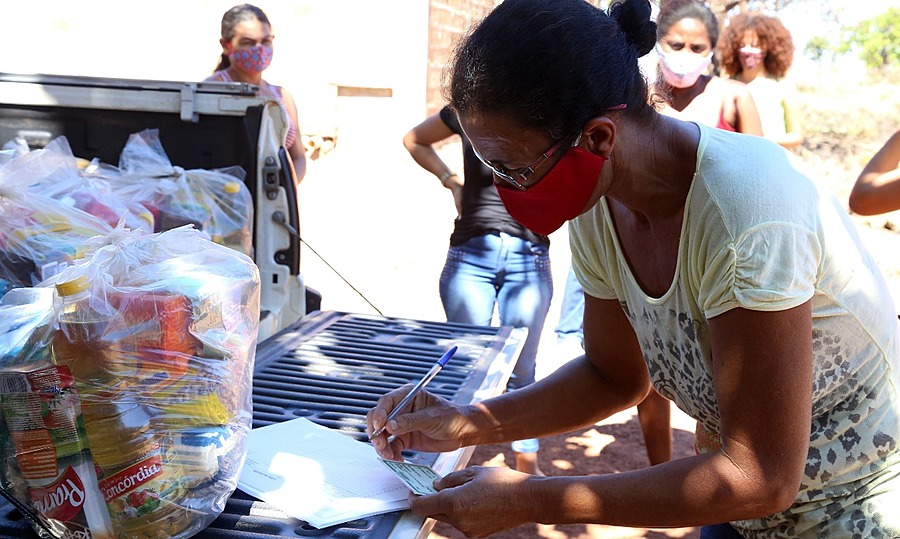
x=415, y=476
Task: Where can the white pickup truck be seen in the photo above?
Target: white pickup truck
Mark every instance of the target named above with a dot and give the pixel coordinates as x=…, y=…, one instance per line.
x=330, y=367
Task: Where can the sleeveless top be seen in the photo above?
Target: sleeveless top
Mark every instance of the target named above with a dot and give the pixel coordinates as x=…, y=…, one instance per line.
x=768, y=94
x=723, y=123
x=482, y=210
x=266, y=90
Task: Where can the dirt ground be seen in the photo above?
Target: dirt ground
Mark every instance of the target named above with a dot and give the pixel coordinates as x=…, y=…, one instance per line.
x=377, y=228
x=613, y=445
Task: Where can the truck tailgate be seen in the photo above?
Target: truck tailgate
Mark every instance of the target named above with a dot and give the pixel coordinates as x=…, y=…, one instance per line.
x=331, y=368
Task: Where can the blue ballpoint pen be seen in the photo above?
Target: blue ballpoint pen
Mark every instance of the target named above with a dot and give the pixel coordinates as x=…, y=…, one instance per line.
x=436, y=368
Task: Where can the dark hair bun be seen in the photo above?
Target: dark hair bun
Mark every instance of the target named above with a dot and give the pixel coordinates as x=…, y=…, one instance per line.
x=633, y=17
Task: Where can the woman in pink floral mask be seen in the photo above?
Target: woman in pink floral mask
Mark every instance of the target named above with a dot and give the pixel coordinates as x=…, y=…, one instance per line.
x=246, y=52
x=758, y=50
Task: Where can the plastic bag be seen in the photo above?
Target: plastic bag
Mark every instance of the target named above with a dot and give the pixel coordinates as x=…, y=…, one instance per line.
x=153, y=340
x=215, y=201
x=13, y=149
x=74, y=184
x=23, y=339
x=39, y=235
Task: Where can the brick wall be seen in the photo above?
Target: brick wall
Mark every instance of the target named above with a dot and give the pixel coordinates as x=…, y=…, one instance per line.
x=448, y=20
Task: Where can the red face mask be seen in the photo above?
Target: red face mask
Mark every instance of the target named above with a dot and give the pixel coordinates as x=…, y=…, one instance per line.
x=559, y=196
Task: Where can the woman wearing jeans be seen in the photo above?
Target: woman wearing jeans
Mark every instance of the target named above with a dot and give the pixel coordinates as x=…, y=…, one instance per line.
x=493, y=260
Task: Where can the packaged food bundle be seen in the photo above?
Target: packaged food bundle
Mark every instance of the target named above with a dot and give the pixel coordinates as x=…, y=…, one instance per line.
x=81, y=188
x=217, y=202
x=52, y=471
x=39, y=235
x=151, y=338
x=54, y=171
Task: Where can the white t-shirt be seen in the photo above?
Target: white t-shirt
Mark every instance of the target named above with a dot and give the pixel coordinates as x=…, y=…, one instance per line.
x=758, y=234
x=768, y=95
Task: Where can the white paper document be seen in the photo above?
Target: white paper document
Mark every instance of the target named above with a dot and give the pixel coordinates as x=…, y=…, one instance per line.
x=319, y=475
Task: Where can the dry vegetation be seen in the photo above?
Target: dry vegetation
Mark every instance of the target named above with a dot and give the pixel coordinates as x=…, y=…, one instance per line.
x=845, y=122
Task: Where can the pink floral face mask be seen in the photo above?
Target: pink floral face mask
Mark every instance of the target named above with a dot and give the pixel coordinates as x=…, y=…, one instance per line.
x=750, y=57
x=253, y=59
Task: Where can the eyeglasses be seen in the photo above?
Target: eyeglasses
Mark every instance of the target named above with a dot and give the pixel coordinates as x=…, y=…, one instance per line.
x=521, y=173
x=524, y=173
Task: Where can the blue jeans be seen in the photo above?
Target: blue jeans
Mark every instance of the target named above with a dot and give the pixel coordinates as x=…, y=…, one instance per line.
x=719, y=531
x=507, y=272
x=571, y=313
x=510, y=273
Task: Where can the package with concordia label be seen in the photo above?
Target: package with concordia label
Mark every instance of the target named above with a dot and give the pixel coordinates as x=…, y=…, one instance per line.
x=130, y=385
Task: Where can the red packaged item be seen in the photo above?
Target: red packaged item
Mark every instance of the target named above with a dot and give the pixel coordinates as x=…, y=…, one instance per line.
x=43, y=418
x=150, y=336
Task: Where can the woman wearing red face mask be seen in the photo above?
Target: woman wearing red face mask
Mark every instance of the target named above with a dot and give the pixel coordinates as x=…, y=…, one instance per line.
x=688, y=32
x=246, y=52
x=714, y=270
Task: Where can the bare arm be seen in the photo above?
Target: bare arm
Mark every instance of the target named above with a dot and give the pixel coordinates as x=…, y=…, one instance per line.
x=877, y=190
x=419, y=142
x=579, y=393
x=746, y=114
x=763, y=390
x=610, y=377
x=297, y=151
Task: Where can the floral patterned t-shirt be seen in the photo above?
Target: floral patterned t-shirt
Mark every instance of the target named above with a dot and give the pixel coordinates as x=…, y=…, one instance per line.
x=758, y=234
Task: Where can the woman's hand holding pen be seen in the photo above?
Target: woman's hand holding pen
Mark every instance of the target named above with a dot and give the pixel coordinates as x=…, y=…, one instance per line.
x=430, y=423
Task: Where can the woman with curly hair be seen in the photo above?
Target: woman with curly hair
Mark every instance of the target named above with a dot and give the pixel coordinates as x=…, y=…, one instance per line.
x=757, y=50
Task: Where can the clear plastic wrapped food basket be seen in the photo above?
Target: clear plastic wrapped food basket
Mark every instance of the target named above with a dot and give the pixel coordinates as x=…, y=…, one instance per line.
x=125, y=386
